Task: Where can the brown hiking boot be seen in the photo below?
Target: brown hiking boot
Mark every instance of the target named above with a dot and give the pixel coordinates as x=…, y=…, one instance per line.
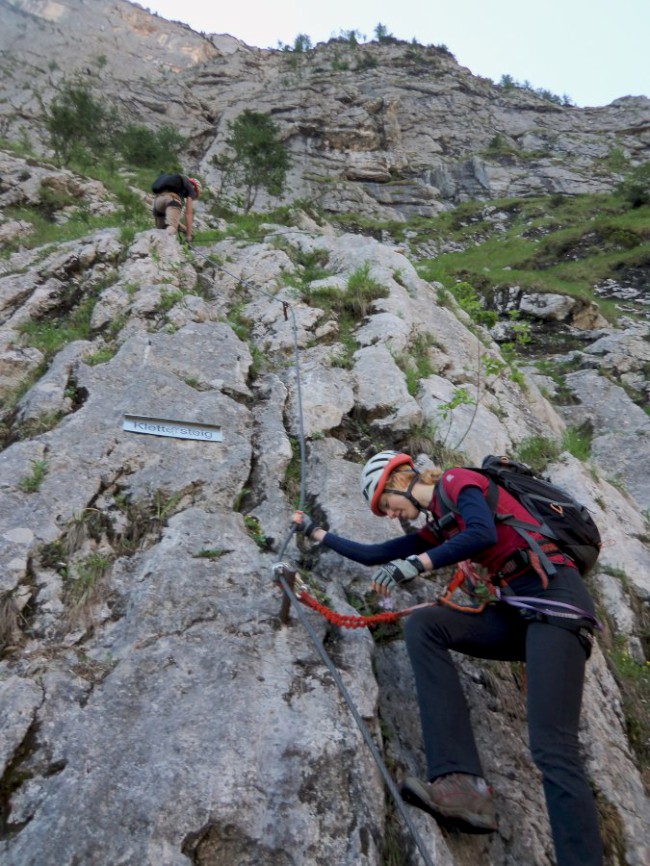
x=458, y=800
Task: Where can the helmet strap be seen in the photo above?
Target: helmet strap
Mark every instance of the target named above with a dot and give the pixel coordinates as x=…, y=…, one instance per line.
x=408, y=492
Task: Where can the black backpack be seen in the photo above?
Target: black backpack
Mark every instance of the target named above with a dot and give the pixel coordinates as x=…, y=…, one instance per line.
x=168, y=183
x=563, y=520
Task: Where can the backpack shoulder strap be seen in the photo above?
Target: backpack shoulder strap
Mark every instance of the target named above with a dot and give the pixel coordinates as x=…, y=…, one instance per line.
x=491, y=494
x=523, y=528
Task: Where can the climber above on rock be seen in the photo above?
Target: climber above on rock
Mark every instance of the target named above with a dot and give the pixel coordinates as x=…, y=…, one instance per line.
x=172, y=192
x=554, y=648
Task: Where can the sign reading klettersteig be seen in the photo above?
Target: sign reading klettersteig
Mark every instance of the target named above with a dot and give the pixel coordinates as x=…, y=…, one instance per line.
x=175, y=429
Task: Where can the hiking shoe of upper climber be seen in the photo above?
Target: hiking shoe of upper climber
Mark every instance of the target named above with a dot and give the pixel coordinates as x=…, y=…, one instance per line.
x=457, y=800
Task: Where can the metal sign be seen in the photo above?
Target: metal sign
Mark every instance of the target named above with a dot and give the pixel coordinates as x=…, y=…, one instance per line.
x=175, y=429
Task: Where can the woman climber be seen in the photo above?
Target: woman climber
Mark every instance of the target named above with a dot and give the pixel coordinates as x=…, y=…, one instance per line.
x=555, y=648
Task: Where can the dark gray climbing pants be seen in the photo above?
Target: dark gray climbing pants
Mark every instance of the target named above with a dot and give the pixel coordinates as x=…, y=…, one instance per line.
x=555, y=659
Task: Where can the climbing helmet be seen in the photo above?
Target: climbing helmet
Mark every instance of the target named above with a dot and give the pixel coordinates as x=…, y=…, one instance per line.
x=196, y=185
x=376, y=473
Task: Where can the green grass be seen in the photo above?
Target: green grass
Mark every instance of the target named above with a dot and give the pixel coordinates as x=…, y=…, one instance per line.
x=210, y=553
x=102, y=355
x=312, y=265
x=577, y=441
x=634, y=681
x=255, y=531
x=252, y=226
x=355, y=300
x=46, y=232
x=416, y=363
x=50, y=335
x=552, y=244
x=131, y=216
x=31, y=483
x=537, y=452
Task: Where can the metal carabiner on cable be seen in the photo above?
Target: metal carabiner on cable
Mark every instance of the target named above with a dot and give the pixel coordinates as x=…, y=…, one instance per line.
x=287, y=578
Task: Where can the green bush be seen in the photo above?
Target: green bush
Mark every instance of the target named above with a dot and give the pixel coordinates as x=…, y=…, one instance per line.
x=78, y=123
x=301, y=44
x=381, y=33
x=83, y=129
x=147, y=148
x=635, y=189
x=470, y=301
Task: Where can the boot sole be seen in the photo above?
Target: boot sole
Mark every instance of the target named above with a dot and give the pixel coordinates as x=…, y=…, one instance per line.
x=462, y=821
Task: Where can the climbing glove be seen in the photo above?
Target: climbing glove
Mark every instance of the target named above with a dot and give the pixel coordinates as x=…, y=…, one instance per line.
x=306, y=525
x=397, y=571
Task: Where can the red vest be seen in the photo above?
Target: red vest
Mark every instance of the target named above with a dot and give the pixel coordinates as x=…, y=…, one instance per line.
x=508, y=539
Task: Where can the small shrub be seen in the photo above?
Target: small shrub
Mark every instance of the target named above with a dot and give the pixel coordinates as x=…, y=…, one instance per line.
x=382, y=35
x=366, y=61
x=461, y=397
x=537, y=452
x=86, y=574
x=78, y=123
x=472, y=302
x=635, y=189
x=339, y=64
x=144, y=147
x=259, y=160
x=500, y=146
x=301, y=44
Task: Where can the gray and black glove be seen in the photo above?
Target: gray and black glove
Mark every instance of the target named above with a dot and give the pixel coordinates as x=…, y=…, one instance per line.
x=397, y=571
x=306, y=525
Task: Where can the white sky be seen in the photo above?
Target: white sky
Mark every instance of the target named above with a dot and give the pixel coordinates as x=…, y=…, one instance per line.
x=590, y=50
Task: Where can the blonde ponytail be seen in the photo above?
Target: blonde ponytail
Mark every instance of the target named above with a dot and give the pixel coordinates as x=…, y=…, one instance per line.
x=402, y=477
x=431, y=476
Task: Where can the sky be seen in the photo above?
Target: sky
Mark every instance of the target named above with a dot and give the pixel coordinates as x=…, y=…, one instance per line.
x=592, y=51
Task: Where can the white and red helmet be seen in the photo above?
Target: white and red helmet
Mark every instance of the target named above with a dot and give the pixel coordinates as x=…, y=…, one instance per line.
x=376, y=473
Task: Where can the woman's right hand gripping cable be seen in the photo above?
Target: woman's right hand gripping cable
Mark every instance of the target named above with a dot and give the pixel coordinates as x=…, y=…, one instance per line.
x=304, y=523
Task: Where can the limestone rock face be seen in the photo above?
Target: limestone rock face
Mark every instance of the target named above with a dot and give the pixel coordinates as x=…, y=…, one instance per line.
x=158, y=706
x=391, y=129
x=148, y=681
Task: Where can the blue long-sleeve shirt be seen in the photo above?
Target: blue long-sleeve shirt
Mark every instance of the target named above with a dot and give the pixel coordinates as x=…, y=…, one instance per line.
x=479, y=533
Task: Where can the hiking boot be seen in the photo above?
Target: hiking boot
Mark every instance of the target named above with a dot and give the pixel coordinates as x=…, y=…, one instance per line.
x=458, y=800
